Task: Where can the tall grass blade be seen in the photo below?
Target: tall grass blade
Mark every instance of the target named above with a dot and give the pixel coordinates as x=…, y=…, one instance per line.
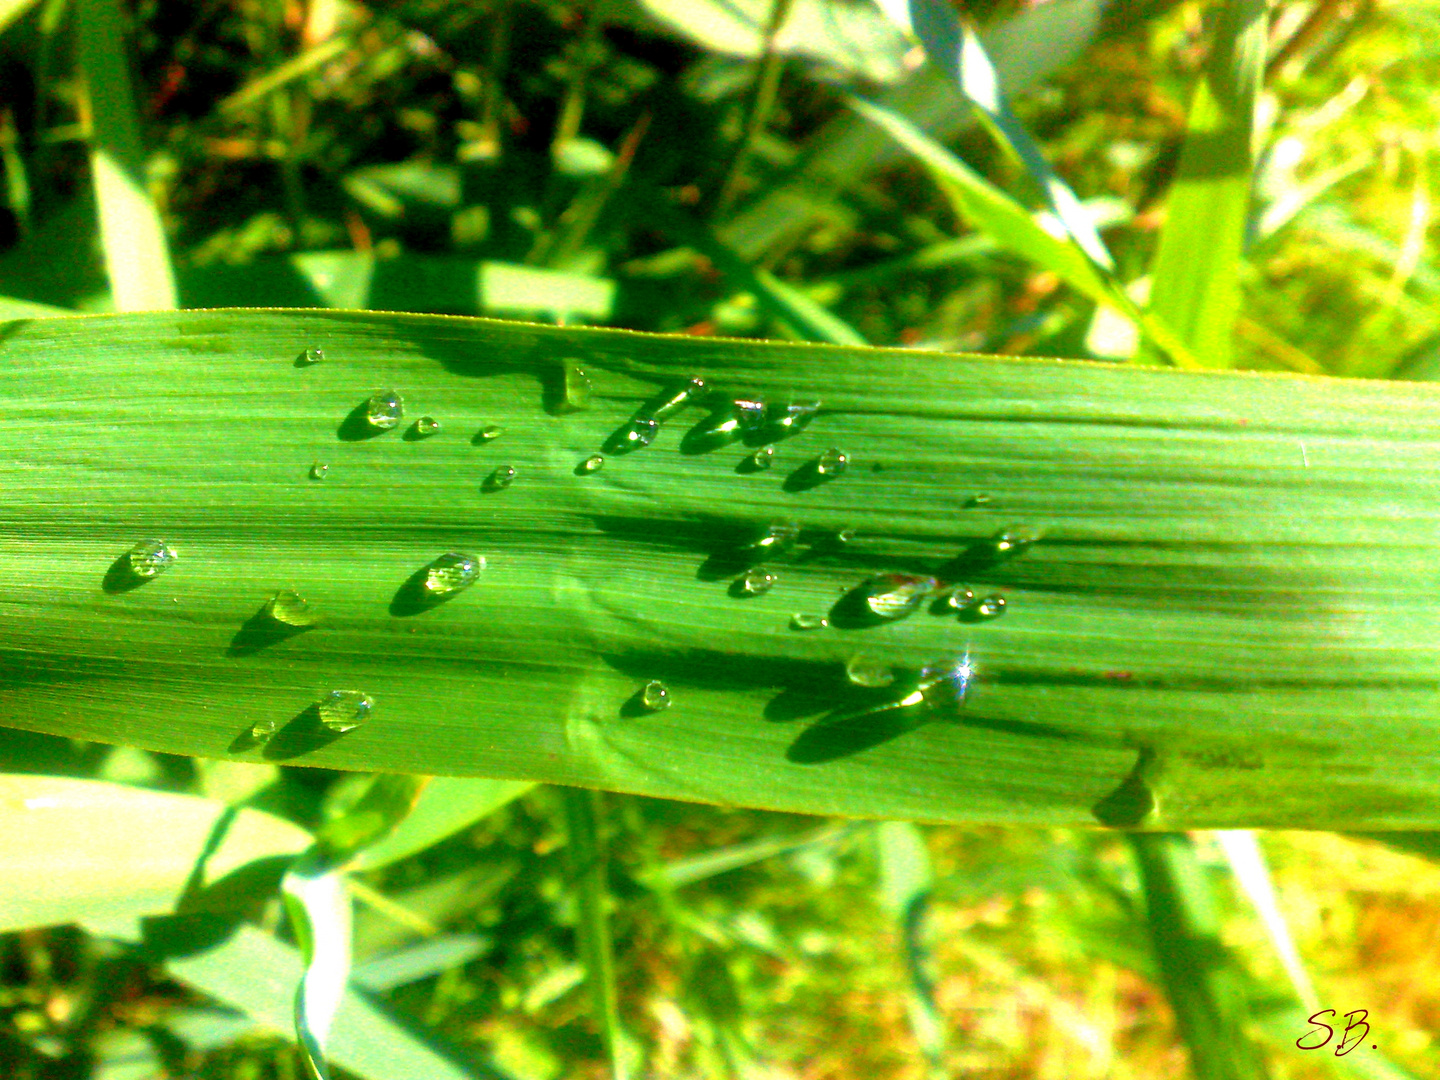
x=137, y=258
x=1196, y=278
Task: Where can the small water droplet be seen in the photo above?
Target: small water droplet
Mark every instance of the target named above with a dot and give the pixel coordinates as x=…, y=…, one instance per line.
x=655, y=696
x=808, y=622
x=149, y=557
x=844, y=537
x=426, y=425
x=758, y=581
x=574, y=388
x=384, y=409
x=960, y=598
x=639, y=433
x=313, y=355
x=977, y=500
x=452, y=572
x=991, y=607
x=593, y=463
x=289, y=607
x=1008, y=543
x=664, y=408
x=501, y=478
x=262, y=730
x=318, y=470
x=345, y=710
x=893, y=596
x=831, y=463
x=945, y=684
x=761, y=459
x=775, y=540
x=794, y=417
x=868, y=672
x=489, y=432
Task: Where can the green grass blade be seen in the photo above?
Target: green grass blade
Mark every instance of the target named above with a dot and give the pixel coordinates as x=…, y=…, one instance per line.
x=952, y=43
x=586, y=858
x=1203, y=983
x=447, y=805
x=318, y=905
x=137, y=258
x=1228, y=564
x=127, y=851
x=1196, y=279
x=906, y=880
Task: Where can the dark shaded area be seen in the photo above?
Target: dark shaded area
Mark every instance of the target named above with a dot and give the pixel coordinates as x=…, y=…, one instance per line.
x=712, y=433
x=260, y=631
x=1128, y=804
x=302, y=734
x=808, y=476
x=635, y=707
x=356, y=426
x=303, y=360
x=839, y=736
x=121, y=578
x=414, y=434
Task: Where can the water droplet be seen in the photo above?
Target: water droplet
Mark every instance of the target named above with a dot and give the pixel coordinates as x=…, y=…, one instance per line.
x=749, y=412
x=318, y=470
x=262, y=730
x=574, y=388
x=313, y=355
x=808, y=622
x=760, y=459
x=289, y=607
x=758, y=581
x=776, y=540
x=345, y=710
x=639, y=433
x=593, y=463
x=384, y=409
x=452, y=572
x=149, y=557
x=677, y=399
x=893, y=596
x=960, y=598
x=489, y=432
x=868, y=672
x=945, y=684
x=655, y=696
x=427, y=425
x=977, y=500
x=991, y=607
x=1009, y=543
x=794, y=417
x=831, y=463
x=501, y=478
x=844, y=537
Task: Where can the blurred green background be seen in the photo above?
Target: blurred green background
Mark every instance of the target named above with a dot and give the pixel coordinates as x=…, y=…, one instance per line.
x=695, y=166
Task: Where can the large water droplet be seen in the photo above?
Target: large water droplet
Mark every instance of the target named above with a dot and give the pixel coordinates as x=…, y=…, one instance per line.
x=893, y=596
x=574, y=389
x=313, y=355
x=345, y=710
x=318, y=470
x=502, y=477
x=289, y=607
x=426, y=426
x=831, y=463
x=749, y=412
x=655, y=695
x=452, y=572
x=675, y=400
x=149, y=557
x=262, y=730
x=757, y=581
x=869, y=672
x=808, y=622
x=384, y=409
x=945, y=684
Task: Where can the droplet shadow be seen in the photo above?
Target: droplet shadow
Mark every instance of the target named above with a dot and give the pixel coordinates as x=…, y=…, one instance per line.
x=1132, y=801
x=120, y=578
x=414, y=434
x=855, y=730
x=806, y=477
x=413, y=598
x=302, y=734
x=260, y=631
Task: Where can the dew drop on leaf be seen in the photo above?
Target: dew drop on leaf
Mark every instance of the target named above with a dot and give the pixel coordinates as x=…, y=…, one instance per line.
x=289, y=607
x=318, y=470
x=427, y=425
x=960, y=598
x=574, y=388
x=262, y=730
x=452, y=572
x=893, y=596
x=831, y=463
x=489, y=432
x=675, y=400
x=1008, y=543
x=991, y=607
x=384, y=410
x=868, y=672
x=639, y=433
x=149, y=557
x=945, y=684
x=758, y=581
x=794, y=417
x=345, y=710
x=313, y=355
x=775, y=540
x=593, y=463
x=762, y=458
x=808, y=622
x=501, y=478
x=655, y=695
